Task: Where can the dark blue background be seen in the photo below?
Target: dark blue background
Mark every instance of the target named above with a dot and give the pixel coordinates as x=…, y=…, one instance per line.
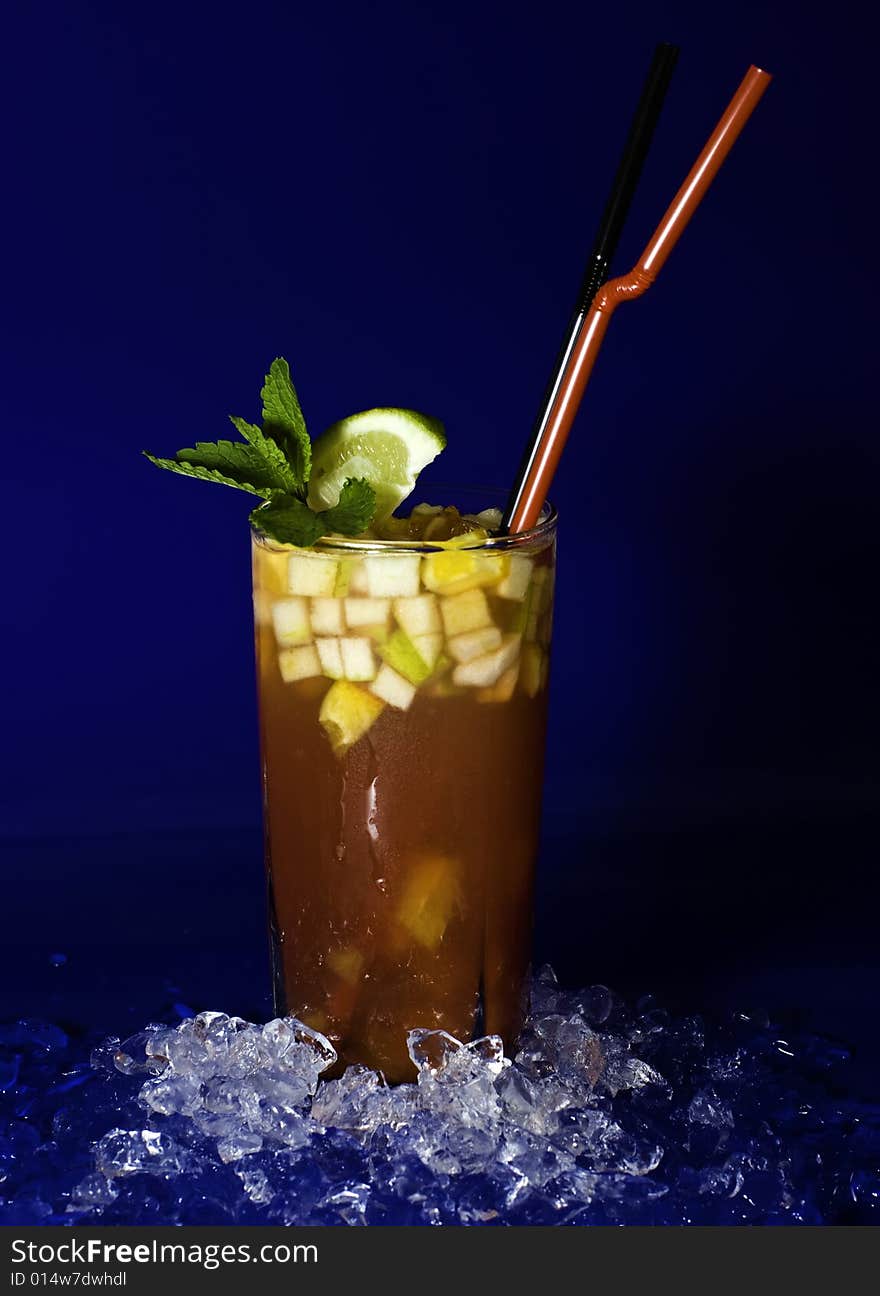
x=399, y=199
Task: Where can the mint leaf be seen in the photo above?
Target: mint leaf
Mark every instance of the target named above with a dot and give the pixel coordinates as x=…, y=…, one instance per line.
x=283, y=421
x=354, y=509
x=270, y=451
x=289, y=521
x=227, y=462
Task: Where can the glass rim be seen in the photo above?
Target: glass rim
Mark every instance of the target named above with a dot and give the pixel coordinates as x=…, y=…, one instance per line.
x=544, y=527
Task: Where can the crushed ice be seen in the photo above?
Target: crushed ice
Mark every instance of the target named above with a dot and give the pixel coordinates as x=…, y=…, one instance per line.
x=604, y=1115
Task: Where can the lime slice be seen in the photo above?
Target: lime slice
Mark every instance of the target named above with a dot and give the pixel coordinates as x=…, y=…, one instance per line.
x=389, y=447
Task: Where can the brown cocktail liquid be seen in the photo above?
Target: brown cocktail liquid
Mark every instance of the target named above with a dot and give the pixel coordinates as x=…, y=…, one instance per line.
x=402, y=714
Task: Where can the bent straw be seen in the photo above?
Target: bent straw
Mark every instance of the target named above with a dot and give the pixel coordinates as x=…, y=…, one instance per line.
x=617, y=205
x=546, y=454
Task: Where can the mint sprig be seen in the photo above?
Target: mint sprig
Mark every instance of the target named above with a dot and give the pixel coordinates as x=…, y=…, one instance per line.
x=289, y=521
x=283, y=420
x=353, y=511
x=274, y=461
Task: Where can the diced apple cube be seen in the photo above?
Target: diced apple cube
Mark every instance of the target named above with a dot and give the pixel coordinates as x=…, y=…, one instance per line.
x=367, y=612
x=358, y=662
x=358, y=583
x=393, y=575
x=429, y=647
x=534, y=669
x=465, y=612
x=475, y=643
x=328, y=616
x=515, y=584
x=347, y=713
x=533, y=605
x=351, y=578
x=298, y=663
x=330, y=656
x=312, y=574
x=414, y=659
x=393, y=688
x=290, y=617
x=503, y=690
x=482, y=672
x=419, y=615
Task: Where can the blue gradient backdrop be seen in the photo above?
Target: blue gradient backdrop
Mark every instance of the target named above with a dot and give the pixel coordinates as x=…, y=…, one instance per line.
x=399, y=199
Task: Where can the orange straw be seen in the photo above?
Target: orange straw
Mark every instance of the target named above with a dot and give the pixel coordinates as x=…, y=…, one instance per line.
x=639, y=280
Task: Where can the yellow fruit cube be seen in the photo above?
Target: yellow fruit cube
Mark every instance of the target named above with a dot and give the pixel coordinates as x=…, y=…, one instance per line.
x=431, y=897
x=454, y=569
x=347, y=712
x=502, y=691
x=347, y=963
x=270, y=570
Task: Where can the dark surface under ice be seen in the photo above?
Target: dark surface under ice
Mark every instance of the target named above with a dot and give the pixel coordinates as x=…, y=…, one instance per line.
x=609, y=1113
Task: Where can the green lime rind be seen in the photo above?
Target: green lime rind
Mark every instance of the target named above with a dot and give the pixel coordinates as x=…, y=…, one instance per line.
x=386, y=447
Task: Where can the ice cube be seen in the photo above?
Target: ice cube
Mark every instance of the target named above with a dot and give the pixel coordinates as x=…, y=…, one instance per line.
x=240, y=1144
x=706, y=1108
x=93, y=1191
x=431, y=1050
x=256, y=1186
x=172, y=1094
x=124, y=1152
x=140, y=1052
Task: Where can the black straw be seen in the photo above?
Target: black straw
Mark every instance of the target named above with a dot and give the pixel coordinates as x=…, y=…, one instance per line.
x=635, y=150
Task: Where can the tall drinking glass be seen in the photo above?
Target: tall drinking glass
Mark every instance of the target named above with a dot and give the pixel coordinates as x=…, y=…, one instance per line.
x=403, y=696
